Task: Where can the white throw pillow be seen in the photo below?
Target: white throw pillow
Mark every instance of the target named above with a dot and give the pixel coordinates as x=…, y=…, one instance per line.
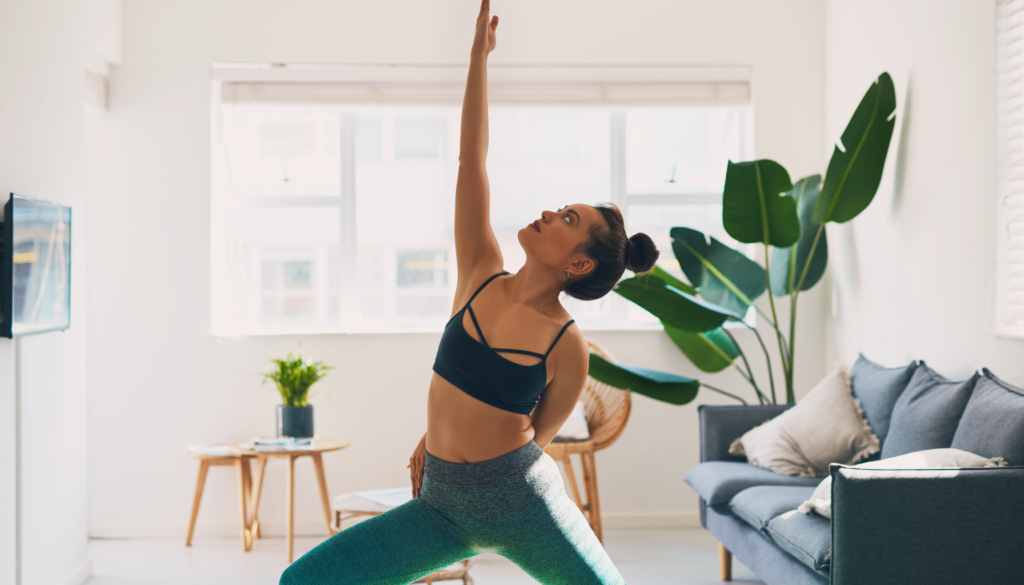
x=575, y=427
x=821, y=500
x=826, y=426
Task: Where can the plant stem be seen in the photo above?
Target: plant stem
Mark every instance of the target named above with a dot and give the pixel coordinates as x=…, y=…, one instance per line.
x=790, y=398
x=760, y=395
x=768, y=360
x=775, y=318
x=720, y=391
x=748, y=376
x=792, y=299
x=744, y=374
x=765, y=315
x=768, y=319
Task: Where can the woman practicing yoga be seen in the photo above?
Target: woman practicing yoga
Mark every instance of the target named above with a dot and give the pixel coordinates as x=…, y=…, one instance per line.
x=481, y=481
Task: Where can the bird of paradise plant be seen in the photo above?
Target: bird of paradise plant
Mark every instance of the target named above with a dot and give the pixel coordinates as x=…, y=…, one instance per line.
x=760, y=205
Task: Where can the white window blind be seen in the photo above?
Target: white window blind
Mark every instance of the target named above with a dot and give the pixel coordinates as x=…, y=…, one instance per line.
x=1009, y=313
x=507, y=84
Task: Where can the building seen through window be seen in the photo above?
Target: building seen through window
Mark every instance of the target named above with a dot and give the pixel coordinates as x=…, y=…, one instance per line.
x=341, y=218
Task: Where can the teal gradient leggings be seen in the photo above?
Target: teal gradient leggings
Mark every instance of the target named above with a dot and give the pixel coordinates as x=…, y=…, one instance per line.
x=514, y=505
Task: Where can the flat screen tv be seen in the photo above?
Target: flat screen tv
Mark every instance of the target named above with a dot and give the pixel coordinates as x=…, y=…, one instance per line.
x=35, y=266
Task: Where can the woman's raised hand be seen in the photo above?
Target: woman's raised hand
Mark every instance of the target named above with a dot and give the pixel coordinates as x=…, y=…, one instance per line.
x=485, y=39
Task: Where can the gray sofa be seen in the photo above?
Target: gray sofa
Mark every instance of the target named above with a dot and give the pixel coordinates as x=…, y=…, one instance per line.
x=903, y=527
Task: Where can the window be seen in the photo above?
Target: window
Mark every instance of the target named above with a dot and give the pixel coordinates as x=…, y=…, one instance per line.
x=332, y=216
x=1009, y=290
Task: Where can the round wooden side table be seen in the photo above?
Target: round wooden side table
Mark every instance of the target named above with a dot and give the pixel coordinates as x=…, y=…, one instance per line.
x=320, y=445
x=239, y=461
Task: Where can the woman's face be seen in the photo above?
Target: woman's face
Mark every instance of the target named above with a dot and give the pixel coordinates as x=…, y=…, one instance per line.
x=556, y=239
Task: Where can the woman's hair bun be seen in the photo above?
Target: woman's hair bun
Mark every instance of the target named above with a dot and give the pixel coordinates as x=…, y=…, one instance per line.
x=642, y=253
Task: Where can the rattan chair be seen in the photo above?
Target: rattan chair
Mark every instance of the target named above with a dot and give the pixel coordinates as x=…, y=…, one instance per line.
x=607, y=410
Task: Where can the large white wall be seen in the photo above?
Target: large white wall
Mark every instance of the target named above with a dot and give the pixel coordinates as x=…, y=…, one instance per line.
x=43, y=154
x=159, y=380
x=919, y=263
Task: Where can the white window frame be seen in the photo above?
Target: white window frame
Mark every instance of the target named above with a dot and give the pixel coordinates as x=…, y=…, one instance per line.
x=611, y=86
x=1009, y=252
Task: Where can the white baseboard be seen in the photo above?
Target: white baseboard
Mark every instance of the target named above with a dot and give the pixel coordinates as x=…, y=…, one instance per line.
x=651, y=520
x=269, y=527
x=79, y=575
x=317, y=528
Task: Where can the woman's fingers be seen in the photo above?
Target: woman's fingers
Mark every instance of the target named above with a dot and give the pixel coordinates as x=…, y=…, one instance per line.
x=415, y=466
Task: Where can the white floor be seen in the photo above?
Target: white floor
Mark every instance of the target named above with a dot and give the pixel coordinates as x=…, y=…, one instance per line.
x=644, y=557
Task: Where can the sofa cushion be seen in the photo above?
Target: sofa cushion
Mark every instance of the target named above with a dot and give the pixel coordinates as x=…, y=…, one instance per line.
x=821, y=500
x=926, y=415
x=718, y=482
x=758, y=505
x=878, y=388
x=757, y=551
x=807, y=538
x=993, y=422
x=826, y=426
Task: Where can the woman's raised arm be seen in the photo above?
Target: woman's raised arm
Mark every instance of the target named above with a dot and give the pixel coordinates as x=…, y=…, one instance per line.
x=476, y=248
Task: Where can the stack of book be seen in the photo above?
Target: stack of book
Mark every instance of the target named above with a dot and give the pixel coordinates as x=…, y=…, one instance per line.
x=269, y=444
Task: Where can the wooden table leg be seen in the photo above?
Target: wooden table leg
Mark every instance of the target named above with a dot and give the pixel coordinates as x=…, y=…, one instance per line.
x=593, y=502
x=254, y=519
x=570, y=474
x=589, y=514
x=725, y=562
x=203, y=467
x=243, y=498
x=251, y=535
x=319, y=464
x=290, y=489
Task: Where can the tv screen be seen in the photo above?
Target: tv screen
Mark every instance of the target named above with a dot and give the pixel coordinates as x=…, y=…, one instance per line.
x=36, y=266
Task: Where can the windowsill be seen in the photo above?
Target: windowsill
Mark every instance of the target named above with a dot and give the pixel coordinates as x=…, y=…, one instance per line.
x=639, y=327
x=431, y=330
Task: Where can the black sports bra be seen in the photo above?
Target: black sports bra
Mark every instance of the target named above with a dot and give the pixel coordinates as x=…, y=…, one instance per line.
x=478, y=370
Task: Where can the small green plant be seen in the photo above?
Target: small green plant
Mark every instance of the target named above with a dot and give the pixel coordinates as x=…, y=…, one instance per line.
x=293, y=377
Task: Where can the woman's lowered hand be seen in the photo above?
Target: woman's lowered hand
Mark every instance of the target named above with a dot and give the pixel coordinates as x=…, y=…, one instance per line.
x=416, y=466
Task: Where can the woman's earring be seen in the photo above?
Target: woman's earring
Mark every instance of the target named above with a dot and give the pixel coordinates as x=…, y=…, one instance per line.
x=565, y=277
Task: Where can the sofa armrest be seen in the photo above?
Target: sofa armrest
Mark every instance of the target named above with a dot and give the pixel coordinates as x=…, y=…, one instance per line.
x=721, y=425
x=927, y=525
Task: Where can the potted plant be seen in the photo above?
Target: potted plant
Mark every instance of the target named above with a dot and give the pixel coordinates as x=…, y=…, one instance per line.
x=760, y=204
x=293, y=378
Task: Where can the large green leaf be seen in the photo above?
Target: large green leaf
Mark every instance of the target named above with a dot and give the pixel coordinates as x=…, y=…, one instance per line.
x=722, y=275
x=711, y=351
x=788, y=267
x=755, y=205
x=673, y=306
x=673, y=281
x=661, y=386
x=855, y=170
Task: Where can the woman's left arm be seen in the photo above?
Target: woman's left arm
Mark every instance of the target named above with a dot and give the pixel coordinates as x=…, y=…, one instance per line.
x=561, y=395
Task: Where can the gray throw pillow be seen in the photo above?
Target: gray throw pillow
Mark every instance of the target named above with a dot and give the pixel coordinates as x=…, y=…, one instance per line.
x=927, y=413
x=878, y=388
x=993, y=422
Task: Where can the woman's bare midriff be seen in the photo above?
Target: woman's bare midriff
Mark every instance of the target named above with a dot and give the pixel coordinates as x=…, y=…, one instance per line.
x=462, y=429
